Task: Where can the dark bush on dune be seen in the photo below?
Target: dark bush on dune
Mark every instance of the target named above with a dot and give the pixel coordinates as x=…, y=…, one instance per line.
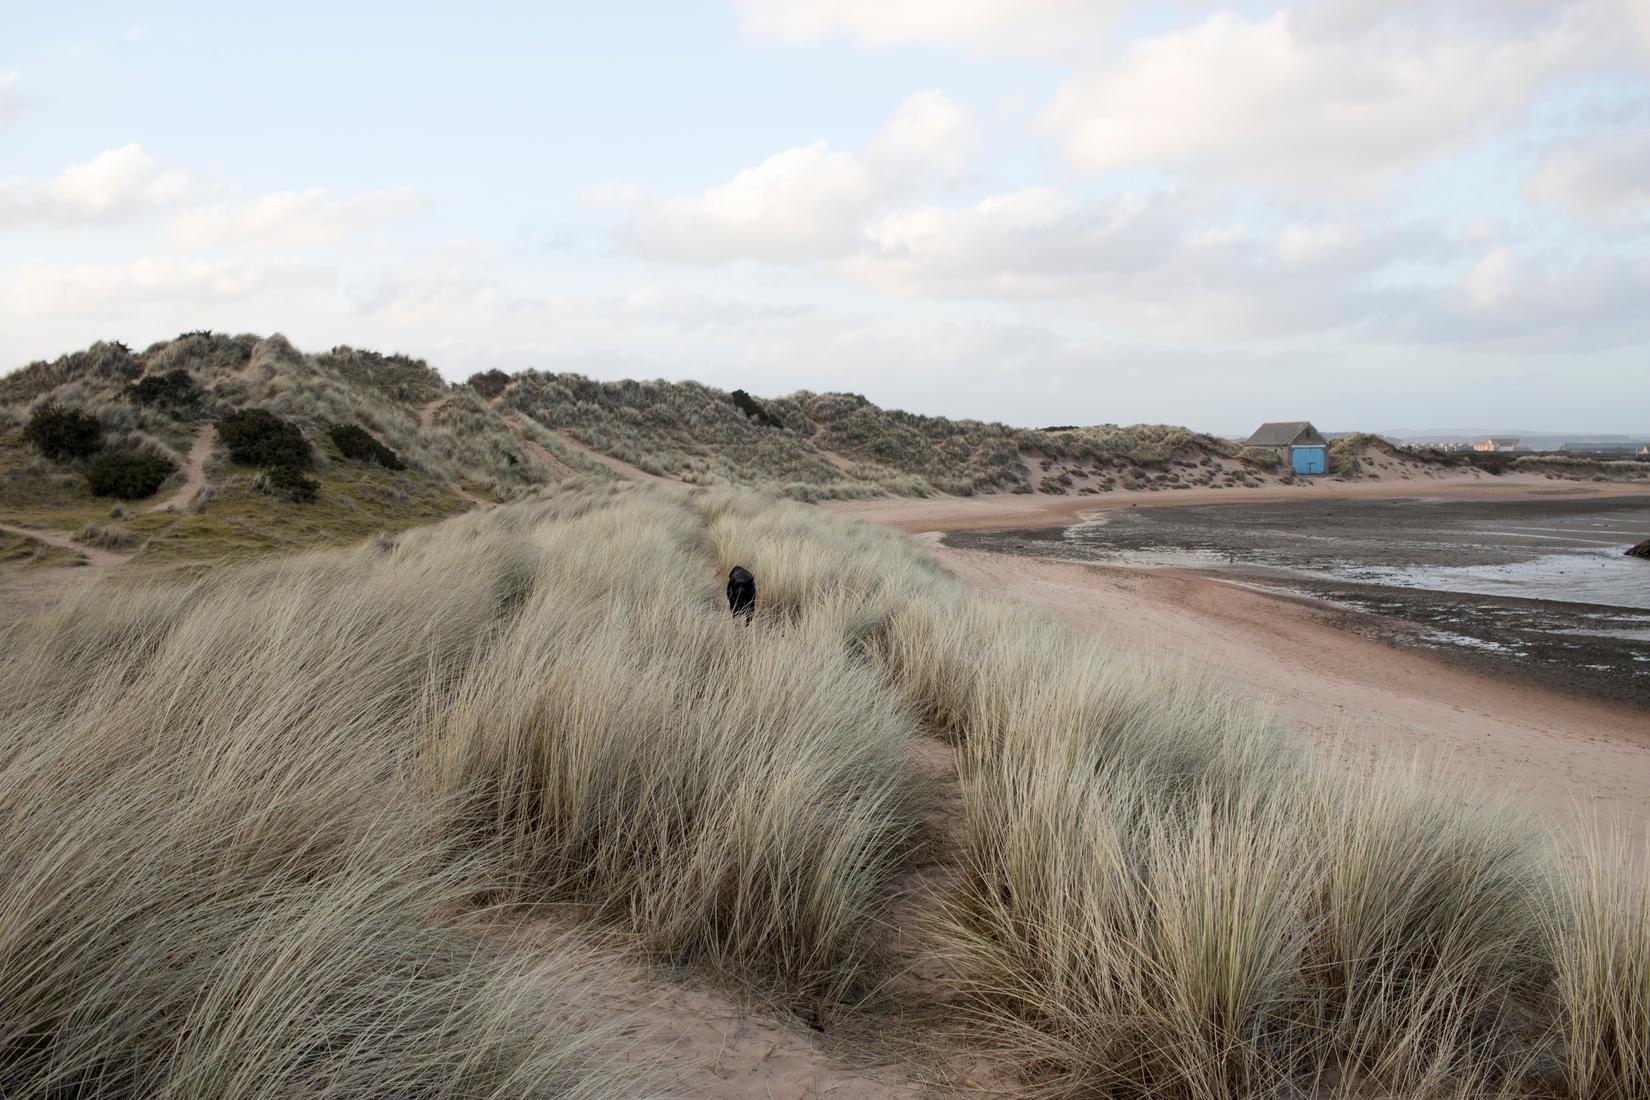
x=355, y=442
x=174, y=389
x=290, y=483
x=257, y=437
x=128, y=475
x=754, y=409
x=489, y=383
x=62, y=434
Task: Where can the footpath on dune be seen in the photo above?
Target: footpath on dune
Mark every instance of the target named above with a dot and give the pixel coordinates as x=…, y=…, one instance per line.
x=1579, y=762
x=194, y=471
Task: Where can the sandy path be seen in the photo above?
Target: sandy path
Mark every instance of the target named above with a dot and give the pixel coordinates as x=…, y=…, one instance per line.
x=1570, y=757
x=618, y=466
x=560, y=470
x=30, y=590
x=427, y=411
x=194, y=471
x=94, y=555
x=1000, y=511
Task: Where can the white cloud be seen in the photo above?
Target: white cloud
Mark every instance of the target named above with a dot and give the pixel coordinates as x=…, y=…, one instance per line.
x=111, y=185
x=808, y=202
x=293, y=217
x=1491, y=282
x=41, y=291
x=8, y=97
x=1302, y=245
x=1605, y=177
x=1290, y=103
x=990, y=26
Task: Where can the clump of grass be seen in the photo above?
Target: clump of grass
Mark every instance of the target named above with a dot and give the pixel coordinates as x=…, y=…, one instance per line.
x=62, y=434
x=108, y=536
x=355, y=442
x=213, y=876
x=737, y=798
x=288, y=483
x=1600, y=940
x=128, y=475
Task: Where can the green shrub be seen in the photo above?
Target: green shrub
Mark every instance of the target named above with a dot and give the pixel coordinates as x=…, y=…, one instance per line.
x=257, y=437
x=128, y=475
x=355, y=442
x=62, y=434
x=489, y=383
x=174, y=389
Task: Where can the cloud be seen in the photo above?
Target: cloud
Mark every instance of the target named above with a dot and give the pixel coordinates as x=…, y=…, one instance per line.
x=1302, y=104
x=112, y=185
x=43, y=291
x=1603, y=178
x=1536, y=302
x=989, y=26
x=804, y=203
x=8, y=97
x=1316, y=245
x=293, y=217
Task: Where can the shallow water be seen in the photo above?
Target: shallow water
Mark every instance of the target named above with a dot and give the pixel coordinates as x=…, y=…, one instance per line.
x=1605, y=577
x=1571, y=554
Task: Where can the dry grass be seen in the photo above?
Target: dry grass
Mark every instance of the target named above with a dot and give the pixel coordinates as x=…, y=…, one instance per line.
x=242, y=821
x=1600, y=939
x=214, y=883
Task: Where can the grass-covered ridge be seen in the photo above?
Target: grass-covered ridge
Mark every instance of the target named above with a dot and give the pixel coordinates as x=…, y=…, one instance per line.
x=503, y=437
x=274, y=801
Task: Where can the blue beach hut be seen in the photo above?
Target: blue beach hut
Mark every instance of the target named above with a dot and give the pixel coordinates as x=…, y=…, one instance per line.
x=1297, y=442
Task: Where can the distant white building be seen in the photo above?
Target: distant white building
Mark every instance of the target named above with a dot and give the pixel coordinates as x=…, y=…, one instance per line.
x=1496, y=445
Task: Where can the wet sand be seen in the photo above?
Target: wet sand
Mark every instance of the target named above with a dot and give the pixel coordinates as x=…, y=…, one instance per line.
x=1536, y=591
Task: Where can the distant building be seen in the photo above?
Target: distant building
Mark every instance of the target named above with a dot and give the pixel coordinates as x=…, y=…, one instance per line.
x=1296, y=442
x=1496, y=445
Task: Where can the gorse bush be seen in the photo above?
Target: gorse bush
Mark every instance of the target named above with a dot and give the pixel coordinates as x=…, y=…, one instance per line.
x=63, y=434
x=128, y=475
x=355, y=442
x=257, y=437
x=754, y=409
x=174, y=389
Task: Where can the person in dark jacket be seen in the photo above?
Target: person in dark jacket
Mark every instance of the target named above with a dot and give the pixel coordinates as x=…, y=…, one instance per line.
x=741, y=592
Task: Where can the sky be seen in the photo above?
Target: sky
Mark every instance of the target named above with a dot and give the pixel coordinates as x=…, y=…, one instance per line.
x=1372, y=214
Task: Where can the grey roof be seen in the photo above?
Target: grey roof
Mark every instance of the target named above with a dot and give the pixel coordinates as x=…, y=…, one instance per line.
x=1281, y=433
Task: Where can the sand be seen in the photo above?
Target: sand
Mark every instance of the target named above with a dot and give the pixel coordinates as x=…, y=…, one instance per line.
x=998, y=511
x=194, y=472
